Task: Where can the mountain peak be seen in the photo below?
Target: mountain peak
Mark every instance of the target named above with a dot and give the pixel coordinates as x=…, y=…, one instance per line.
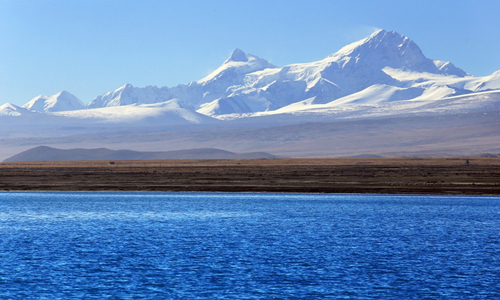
x=62, y=101
x=391, y=49
x=128, y=85
x=125, y=86
x=238, y=55
x=9, y=109
x=378, y=33
x=64, y=94
x=390, y=37
x=380, y=41
x=236, y=66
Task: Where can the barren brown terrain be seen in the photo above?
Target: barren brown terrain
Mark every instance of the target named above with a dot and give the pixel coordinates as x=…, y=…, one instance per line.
x=375, y=175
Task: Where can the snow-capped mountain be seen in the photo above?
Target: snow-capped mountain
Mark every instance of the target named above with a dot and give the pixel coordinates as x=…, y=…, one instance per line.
x=207, y=89
x=12, y=110
x=246, y=84
x=172, y=112
x=390, y=49
x=232, y=72
x=350, y=70
x=383, y=68
x=127, y=94
x=62, y=101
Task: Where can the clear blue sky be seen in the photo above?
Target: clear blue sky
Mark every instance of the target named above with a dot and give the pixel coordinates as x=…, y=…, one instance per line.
x=89, y=47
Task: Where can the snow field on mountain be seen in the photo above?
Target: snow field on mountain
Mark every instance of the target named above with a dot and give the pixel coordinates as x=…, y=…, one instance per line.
x=385, y=73
x=62, y=101
x=169, y=112
x=11, y=110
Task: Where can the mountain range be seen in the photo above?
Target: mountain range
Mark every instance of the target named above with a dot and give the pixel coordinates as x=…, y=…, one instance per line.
x=385, y=75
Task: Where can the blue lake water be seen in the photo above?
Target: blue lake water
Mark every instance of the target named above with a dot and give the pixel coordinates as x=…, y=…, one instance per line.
x=248, y=246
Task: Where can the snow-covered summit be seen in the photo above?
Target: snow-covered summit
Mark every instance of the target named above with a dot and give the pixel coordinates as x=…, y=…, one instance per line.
x=391, y=49
x=62, y=101
x=237, y=65
x=9, y=109
x=128, y=94
x=237, y=55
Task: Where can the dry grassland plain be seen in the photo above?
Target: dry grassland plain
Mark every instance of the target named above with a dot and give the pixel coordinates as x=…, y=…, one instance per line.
x=480, y=176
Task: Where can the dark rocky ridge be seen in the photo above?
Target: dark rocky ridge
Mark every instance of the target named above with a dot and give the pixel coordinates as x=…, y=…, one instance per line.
x=44, y=153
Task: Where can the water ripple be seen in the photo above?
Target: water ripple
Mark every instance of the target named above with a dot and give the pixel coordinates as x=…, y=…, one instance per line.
x=248, y=246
